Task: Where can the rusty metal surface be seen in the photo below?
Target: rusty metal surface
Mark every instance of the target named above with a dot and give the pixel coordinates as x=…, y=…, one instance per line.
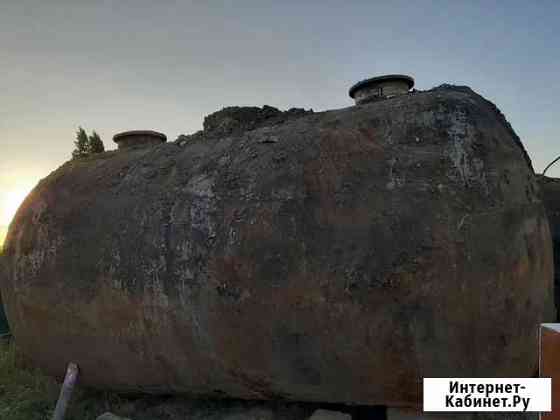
x=336, y=257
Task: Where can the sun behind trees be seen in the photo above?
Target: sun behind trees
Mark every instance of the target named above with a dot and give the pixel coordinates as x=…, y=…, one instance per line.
x=85, y=145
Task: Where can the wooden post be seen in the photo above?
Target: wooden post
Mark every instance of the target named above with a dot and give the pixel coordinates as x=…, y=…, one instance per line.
x=66, y=391
x=549, y=365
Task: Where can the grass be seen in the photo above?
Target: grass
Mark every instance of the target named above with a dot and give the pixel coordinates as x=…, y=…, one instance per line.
x=27, y=394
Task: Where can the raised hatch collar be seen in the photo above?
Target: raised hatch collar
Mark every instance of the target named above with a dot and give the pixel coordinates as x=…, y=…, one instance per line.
x=134, y=138
x=374, y=86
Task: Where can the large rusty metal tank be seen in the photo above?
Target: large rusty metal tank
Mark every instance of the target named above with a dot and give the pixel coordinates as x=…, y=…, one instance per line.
x=337, y=256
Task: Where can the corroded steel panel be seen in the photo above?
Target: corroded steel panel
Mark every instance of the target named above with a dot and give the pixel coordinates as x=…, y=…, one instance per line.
x=338, y=256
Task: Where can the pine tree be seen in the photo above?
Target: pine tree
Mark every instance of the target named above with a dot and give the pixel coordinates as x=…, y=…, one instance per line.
x=95, y=143
x=81, y=144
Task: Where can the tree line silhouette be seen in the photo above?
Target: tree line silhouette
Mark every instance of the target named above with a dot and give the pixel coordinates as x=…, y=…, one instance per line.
x=85, y=145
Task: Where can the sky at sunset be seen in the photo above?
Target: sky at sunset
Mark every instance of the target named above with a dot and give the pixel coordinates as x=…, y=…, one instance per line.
x=164, y=65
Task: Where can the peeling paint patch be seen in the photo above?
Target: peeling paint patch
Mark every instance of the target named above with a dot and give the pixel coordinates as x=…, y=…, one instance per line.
x=394, y=179
x=202, y=189
x=469, y=167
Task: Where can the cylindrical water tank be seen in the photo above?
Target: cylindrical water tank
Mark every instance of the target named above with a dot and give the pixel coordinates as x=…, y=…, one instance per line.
x=337, y=256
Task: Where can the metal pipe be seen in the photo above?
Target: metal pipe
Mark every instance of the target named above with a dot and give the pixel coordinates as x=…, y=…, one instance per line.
x=550, y=164
x=66, y=391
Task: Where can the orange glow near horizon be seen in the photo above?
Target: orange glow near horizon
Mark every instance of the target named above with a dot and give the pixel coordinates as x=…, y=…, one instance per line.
x=9, y=203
